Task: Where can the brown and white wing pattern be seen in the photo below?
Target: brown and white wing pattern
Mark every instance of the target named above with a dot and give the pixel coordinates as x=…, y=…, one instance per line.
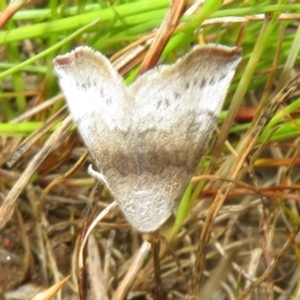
x=97, y=98
x=147, y=139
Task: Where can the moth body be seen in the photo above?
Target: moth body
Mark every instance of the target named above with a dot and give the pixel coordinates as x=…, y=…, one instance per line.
x=147, y=139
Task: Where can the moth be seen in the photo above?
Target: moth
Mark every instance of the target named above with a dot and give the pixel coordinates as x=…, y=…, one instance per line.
x=147, y=138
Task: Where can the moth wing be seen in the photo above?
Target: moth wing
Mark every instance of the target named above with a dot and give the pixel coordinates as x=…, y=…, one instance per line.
x=186, y=98
x=96, y=96
x=178, y=108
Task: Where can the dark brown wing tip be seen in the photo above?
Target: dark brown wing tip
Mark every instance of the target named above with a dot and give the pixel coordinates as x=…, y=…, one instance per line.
x=213, y=53
x=219, y=50
x=69, y=58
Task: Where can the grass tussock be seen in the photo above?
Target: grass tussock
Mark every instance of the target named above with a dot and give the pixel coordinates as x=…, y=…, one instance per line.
x=235, y=234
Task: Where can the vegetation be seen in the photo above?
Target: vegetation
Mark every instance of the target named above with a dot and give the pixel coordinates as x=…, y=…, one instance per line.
x=235, y=234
